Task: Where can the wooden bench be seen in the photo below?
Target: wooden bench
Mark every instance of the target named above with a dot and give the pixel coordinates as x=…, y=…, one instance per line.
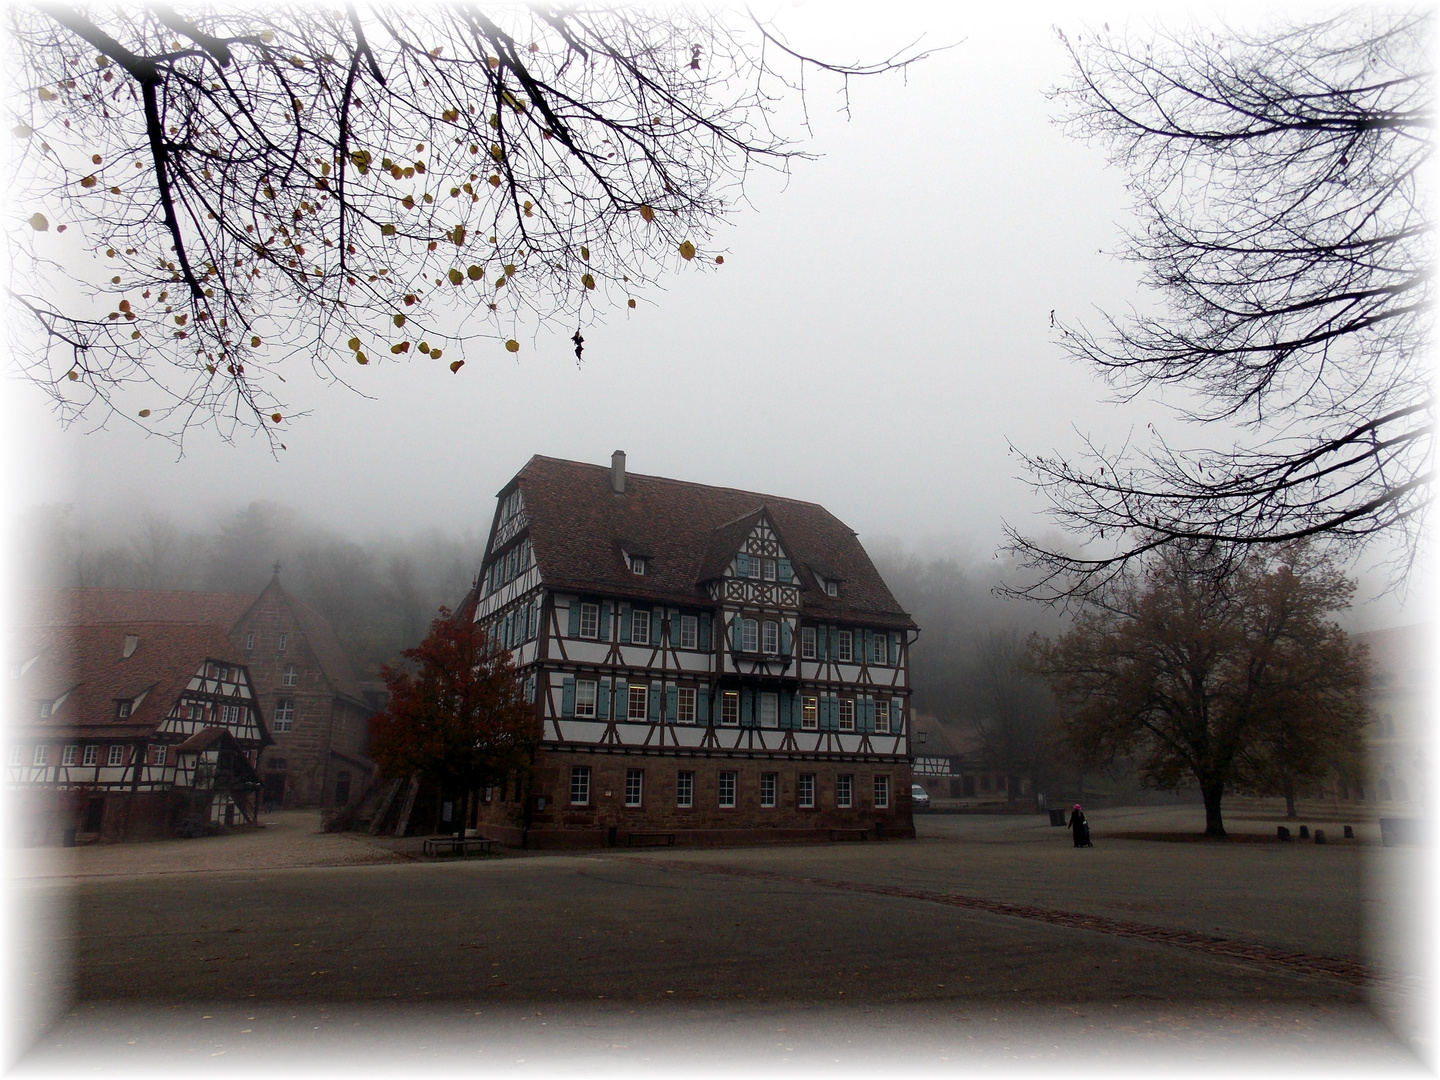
x=456, y=845
x=650, y=839
x=849, y=834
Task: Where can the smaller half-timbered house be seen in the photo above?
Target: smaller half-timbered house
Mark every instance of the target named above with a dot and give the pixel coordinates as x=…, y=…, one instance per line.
x=127, y=731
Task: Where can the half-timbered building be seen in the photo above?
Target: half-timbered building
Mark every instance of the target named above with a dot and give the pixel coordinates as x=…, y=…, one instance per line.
x=130, y=731
x=705, y=663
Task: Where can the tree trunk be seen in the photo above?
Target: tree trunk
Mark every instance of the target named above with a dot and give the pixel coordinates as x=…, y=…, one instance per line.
x=461, y=809
x=1214, y=826
x=1288, y=787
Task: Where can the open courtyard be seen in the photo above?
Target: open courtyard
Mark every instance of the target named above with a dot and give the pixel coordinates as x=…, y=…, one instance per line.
x=987, y=935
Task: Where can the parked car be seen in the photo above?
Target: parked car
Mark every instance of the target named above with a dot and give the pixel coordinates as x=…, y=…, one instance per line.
x=919, y=797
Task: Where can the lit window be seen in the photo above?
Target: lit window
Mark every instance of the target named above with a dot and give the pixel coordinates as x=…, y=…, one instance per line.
x=749, y=634
x=634, y=786
x=71, y=753
x=847, y=714
x=771, y=638
x=42, y=755
x=730, y=708
x=767, y=789
x=809, y=714
x=685, y=705
x=754, y=567
x=844, y=785
x=116, y=755
x=639, y=695
x=727, y=790
x=882, y=649
x=249, y=642
x=882, y=792
x=284, y=715
x=584, y=697
x=769, y=710
x=640, y=628
x=844, y=648
x=882, y=718
x=16, y=755
x=580, y=785
x=689, y=632
x=283, y=639
x=685, y=789
x=589, y=620
x=92, y=755
x=832, y=588
x=769, y=569
x=805, y=791
x=807, y=643
x=290, y=676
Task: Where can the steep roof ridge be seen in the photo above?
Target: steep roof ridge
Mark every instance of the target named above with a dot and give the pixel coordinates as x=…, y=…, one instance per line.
x=679, y=483
x=335, y=666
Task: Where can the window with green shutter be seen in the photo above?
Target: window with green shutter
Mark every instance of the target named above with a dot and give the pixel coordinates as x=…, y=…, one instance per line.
x=672, y=701
x=602, y=701
x=574, y=628
x=567, y=697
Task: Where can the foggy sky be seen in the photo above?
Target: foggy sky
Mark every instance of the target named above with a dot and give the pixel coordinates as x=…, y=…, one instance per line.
x=879, y=330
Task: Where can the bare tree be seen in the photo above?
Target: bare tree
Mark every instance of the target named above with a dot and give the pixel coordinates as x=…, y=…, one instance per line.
x=1277, y=182
x=1015, y=707
x=239, y=188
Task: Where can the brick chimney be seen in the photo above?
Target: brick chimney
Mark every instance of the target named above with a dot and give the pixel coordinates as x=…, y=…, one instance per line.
x=617, y=472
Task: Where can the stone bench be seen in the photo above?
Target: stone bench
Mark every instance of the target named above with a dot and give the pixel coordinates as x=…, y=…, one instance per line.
x=650, y=839
x=456, y=845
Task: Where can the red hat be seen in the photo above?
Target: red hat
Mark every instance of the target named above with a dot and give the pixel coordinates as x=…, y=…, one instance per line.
x=1077, y=806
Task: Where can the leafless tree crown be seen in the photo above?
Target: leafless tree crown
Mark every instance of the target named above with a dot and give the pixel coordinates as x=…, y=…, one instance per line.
x=239, y=187
x=1277, y=180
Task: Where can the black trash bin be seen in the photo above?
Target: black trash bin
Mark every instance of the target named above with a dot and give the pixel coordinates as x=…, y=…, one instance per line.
x=1057, y=815
x=69, y=840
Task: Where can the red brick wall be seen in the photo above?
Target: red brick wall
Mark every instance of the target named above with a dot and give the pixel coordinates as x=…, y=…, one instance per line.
x=658, y=810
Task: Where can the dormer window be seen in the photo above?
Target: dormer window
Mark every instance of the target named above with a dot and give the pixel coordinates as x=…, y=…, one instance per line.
x=637, y=566
x=832, y=588
x=284, y=640
x=46, y=708
x=122, y=709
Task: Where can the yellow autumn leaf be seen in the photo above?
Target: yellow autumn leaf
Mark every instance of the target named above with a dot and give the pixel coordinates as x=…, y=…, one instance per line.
x=424, y=347
x=254, y=342
x=39, y=223
x=402, y=347
x=494, y=180
x=720, y=260
x=22, y=131
x=73, y=376
x=630, y=302
x=512, y=345
x=646, y=213
x=456, y=365
x=510, y=269
x=455, y=276
x=275, y=418
x=354, y=343
x=475, y=273
x=144, y=412
x=88, y=182
x=361, y=358
x=584, y=252
x=46, y=94
x=399, y=320
x=687, y=250
x=435, y=354
x=408, y=202
x=497, y=153
x=587, y=281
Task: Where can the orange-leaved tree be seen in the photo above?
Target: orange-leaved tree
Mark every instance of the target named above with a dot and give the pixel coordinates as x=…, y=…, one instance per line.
x=457, y=714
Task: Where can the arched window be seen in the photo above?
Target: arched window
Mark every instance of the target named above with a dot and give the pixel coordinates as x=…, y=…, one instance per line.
x=290, y=676
x=284, y=714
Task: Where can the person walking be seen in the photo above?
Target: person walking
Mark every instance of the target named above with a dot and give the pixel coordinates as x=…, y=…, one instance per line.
x=1079, y=827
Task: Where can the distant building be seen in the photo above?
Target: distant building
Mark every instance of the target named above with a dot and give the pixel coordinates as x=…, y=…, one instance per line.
x=128, y=731
x=315, y=708
x=703, y=662
x=1402, y=662
x=950, y=762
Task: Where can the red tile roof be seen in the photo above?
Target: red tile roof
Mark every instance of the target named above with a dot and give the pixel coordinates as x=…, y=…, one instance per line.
x=92, y=607
x=576, y=524
x=87, y=665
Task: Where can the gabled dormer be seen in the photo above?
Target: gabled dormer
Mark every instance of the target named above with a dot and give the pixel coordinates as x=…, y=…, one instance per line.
x=747, y=562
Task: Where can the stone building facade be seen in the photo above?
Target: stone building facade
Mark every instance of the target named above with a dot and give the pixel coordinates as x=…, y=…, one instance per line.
x=318, y=716
x=704, y=663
